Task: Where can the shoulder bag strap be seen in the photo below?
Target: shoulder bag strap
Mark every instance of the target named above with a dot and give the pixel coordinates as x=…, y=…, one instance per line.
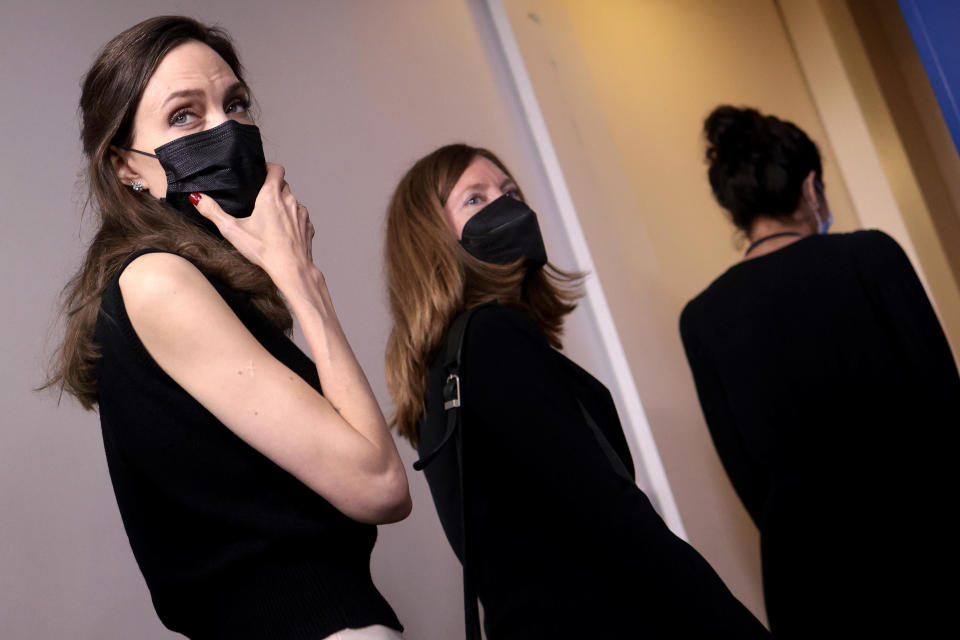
x=451, y=404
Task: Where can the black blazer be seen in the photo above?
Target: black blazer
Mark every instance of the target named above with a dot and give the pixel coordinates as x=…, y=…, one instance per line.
x=833, y=399
x=561, y=545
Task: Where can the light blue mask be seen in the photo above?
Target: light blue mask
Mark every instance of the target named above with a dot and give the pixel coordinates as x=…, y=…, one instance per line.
x=823, y=226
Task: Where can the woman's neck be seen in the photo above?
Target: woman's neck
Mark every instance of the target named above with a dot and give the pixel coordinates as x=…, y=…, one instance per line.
x=772, y=228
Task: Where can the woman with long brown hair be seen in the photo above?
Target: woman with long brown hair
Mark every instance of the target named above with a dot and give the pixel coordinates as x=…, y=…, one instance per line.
x=248, y=477
x=523, y=450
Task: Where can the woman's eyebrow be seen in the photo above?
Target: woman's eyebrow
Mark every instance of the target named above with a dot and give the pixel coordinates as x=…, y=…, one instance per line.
x=234, y=88
x=472, y=187
x=183, y=93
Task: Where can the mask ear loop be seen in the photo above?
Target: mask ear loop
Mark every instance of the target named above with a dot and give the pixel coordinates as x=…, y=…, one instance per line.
x=814, y=204
x=137, y=185
x=823, y=225
x=143, y=153
x=815, y=207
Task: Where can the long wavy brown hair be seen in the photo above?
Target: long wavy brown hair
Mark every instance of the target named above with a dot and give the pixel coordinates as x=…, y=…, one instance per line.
x=126, y=220
x=431, y=279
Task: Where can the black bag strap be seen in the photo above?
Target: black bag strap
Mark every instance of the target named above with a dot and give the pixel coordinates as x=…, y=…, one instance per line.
x=454, y=431
x=451, y=386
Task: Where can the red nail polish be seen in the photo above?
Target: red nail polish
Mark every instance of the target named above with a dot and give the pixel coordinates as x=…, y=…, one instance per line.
x=195, y=198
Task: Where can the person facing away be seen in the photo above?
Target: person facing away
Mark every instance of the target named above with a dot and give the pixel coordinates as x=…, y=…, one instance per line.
x=561, y=541
x=248, y=477
x=829, y=391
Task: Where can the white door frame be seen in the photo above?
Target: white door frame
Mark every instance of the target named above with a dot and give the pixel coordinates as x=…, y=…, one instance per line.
x=635, y=422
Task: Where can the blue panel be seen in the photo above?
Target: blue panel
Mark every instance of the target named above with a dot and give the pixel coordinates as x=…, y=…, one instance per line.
x=935, y=27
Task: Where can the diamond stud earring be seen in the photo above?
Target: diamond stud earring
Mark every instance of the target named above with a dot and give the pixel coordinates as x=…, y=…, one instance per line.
x=136, y=185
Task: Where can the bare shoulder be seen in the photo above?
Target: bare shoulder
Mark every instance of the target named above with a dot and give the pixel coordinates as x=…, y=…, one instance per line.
x=159, y=276
x=163, y=288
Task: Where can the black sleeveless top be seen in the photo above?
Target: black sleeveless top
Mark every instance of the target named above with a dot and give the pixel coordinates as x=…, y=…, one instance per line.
x=230, y=544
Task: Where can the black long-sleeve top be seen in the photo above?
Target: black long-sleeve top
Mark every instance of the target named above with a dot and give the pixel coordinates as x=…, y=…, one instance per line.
x=231, y=545
x=832, y=398
x=560, y=544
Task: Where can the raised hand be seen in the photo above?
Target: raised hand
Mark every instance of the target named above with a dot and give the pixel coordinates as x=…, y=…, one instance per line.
x=277, y=236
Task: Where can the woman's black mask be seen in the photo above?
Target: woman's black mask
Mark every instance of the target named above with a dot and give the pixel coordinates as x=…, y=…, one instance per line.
x=504, y=231
x=225, y=163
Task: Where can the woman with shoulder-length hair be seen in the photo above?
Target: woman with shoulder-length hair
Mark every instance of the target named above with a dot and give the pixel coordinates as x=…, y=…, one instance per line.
x=535, y=488
x=248, y=477
x=830, y=393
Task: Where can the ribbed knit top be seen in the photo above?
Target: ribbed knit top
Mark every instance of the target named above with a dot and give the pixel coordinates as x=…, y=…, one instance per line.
x=230, y=544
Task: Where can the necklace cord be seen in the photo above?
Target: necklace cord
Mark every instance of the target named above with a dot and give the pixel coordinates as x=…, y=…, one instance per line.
x=770, y=237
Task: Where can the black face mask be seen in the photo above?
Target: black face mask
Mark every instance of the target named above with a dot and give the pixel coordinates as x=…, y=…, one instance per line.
x=225, y=163
x=504, y=231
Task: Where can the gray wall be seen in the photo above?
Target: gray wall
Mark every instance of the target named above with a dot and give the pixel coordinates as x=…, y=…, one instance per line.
x=350, y=94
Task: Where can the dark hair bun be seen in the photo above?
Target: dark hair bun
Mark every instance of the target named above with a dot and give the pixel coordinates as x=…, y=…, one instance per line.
x=757, y=163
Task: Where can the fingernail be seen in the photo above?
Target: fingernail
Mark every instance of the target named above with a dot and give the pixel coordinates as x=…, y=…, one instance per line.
x=195, y=198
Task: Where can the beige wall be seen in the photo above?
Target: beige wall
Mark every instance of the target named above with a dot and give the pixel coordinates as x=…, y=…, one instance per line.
x=918, y=153
x=895, y=153
x=624, y=87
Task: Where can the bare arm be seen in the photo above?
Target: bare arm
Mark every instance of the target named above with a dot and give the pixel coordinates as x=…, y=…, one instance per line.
x=338, y=444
